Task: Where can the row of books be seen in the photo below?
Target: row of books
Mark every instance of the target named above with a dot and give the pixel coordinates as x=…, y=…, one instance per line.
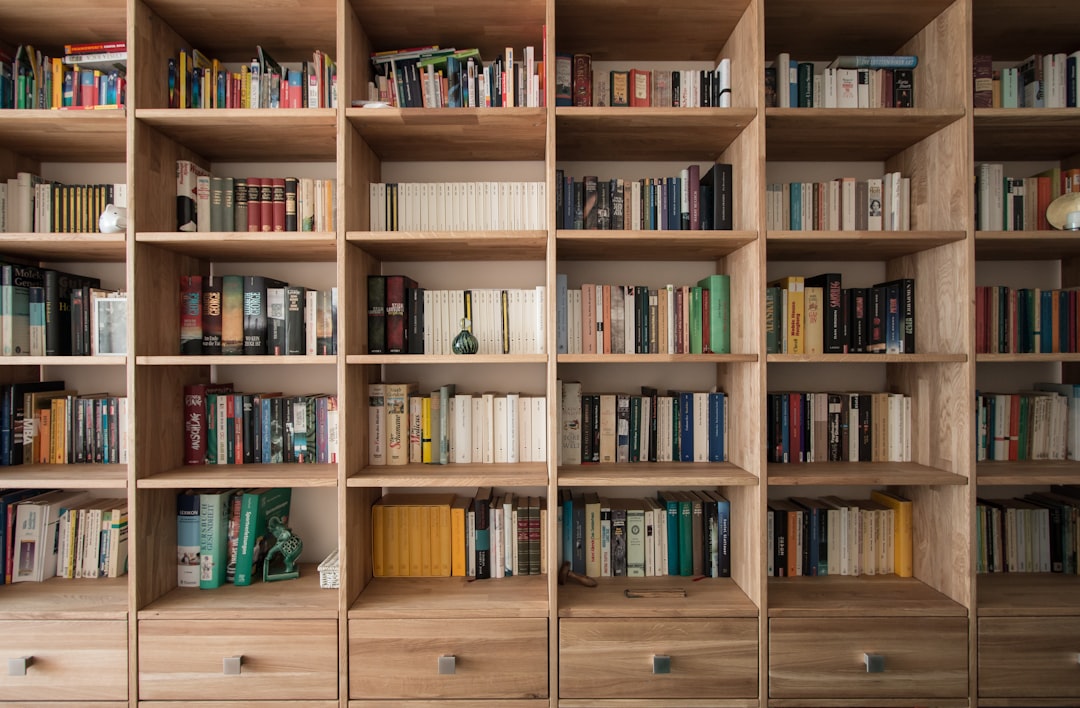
x=92, y=539
x=1042, y=424
x=30, y=204
x=680, y=533
x=224, y=427
x=833, y=536
x=846, y=82
x=1025, y=320
x=637, y=319
x=78, y=80
x=817, y=315
x=223, y=535
x=260, y=204
x=807, y=427
x=842, y=204
x=688, y=201
x=489, y=535
x=576, y=84
x=252, y=315
x=447, y=427
x=1039, y=533
x=1018, y=203
x=197, y=81
x=457, y=206
x=1040, y=81
x=611, y=428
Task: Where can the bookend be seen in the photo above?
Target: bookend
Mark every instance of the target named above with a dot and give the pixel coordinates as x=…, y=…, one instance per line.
x=288, y=547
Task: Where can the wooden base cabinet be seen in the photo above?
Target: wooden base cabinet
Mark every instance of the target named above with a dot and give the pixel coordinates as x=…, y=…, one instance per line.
x=1029, y=658
x=70, y=660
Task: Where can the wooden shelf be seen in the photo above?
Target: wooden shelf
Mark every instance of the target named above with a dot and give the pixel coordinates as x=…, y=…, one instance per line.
x=1032, y=472
x=525, y=474
x=1026, y=245
x=65, y=136
x=239, y=360
x=866, y=358
x=987, y=358
x=652, y=474
x=859, y=473
x=591, y=245
x=863, y=596
x=233, y=246
x=854, y=245
x=410, y=134
x=452, y=245
x=105, y=248
x=249, y=134
x=1026, y=133
x=656, y=358
x=275, y=475
x=457, y=598
x=705, y=597
x=93, y=476
x=999, y=29
x=98, y=360
x=1027, y=594
x=605, y=133
x=826, y=134
x=51, y=24
x=66, y=599
x=442, y=359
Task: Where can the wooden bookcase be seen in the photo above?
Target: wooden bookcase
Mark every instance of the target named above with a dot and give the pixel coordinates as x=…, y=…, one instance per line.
x=949, y=637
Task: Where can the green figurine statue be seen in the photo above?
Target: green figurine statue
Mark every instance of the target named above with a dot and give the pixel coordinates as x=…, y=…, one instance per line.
x=288, y=547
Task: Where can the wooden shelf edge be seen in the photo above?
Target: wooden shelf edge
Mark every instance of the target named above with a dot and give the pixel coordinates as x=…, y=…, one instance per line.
x=440, y=359
x=237, y=360
x=860, y=474
x=866, y=358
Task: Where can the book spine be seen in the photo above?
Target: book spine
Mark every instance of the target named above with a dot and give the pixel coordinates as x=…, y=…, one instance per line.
x=191, y=330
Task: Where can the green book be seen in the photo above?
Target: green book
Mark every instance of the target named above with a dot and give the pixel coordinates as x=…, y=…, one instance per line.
x=213, y=537
x=256, y=508
x=695, y=320
x=719, y=289
x=772, y=296
x=686, y=534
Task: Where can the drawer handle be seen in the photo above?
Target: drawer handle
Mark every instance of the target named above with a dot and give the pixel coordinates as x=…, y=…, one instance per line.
x=875, y=663
x=447, y=665
x=17, y=667
x=661, y=664
x=230, y=665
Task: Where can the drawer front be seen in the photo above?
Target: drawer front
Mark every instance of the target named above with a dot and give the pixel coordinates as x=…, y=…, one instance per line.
x=922, y=657
x=488, y=658
x=278, y=659
x=70, y=660
x=1029, y=657
x=645, y=658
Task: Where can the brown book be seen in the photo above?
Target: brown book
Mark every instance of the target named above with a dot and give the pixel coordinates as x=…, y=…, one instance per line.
x=254, y=203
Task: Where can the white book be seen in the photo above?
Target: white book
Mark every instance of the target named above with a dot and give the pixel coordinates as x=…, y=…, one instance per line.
x=874, y=204
x=829, y=79
x=539, y=428
x=600, y=324
x=573, y=320
x=499, y=432
x=701, y=426
x=512, y=430
x=539, y=314
x=524, y=430
x=570, y=423
x=376, y=425
x=847, y=94
x=311, y=305
x=863, y=90
x=36, y=526
x=509, y=535
x=635, y=205
x=462, y=445
x=496, y=539
x=202, y=202
x=723, y=78
x=479, y=429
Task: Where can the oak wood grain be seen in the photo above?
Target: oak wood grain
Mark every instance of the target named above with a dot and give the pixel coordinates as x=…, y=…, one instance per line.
x=73, y=660
x=1029, y=657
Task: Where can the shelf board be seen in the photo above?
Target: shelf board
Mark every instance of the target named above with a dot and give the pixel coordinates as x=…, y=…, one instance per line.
x=705, y=597
x=98, y=360
x=854, y=245
x=1026, y=133
x=824, y=134
x=275, y=475
x=998, y=29
x=66, y=599
x=240, y=360
x=1027, y=594
x=300, y=598
x=441, y=359
x=1026, y=245
x=987, y=358
x=656, y=358
x=838, y=27
x=863, y=596
x=49, y=25
x=233, y=246
x=410, y=134
x=65, y=136
x=524, y=474
x=652, y=474
x=452, y=245
x=939, y=358
x=860, y=473
x=103, y=248
x=255, y=134
x=94, y=476
x=630, y=29
x=1028, y=472
x=458, y=598
x=606, y=133
x=590, y=245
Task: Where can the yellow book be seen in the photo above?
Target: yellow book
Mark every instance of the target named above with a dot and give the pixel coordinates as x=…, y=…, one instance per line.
x=378, y=539
x=425, y=430
x=458, y=511
x=794, y=318
x=902, y=513
x=441, y=518
x=815, y=325
x=57, y=82
x=58, y=432
x=420, y=541
x=245, y=86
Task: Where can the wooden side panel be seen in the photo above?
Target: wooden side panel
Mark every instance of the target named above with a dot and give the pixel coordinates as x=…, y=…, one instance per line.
x=944, y=45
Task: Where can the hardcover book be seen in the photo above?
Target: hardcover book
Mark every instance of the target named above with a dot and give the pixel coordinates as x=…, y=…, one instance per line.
x=257, y=507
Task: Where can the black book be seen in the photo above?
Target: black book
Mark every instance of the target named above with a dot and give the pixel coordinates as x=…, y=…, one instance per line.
x=618, y=538
x=718, y=209
x=256, y=333
x=414, y=326
x=859, y=340
x=652, y=394
x=248, y=418
x=579, y=205
x=376, y=313
x=80, y=334
x=675, y=89
x=833, y=341
x=587, y=425
x=291, y=221
x=603, y=205
x=240, y=204
x=58, y=286
x=212, y=293
x=866, y=439
x=618, y=216
x=903, y=88
x=295, y=332
x=589, y=206
x=482, y=511
x=876, y=297
x=779, y=540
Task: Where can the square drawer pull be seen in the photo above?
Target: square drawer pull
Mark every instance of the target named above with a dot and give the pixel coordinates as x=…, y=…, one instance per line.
x=18, y=666
x=447, y=665
x=875, y=663
x=230, y=665
x=661, y=664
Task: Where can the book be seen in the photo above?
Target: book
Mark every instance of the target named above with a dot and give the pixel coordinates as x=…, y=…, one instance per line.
x=191, y=314
x=187, y=174
x=887, y=61
x=213, y=536
x=35, y=532
x=902, y=530
x=257, y=507
x=718, y=211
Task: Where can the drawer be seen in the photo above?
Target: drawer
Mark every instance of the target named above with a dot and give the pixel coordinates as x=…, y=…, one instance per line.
x=467, y=658
x=1029, y=657
x=278, y=659
x=922, y=657
x=645, y=658
x=70, y=660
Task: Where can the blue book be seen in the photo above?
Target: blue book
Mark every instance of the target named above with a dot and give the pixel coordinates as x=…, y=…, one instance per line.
x=686, y=427
x=793, y=83
x=187, y=540
x=795, y=199
x=560, y=313
x=567, y=526
x=812, y=545
x=716, y=426
x=723, y=507
x=785, y=423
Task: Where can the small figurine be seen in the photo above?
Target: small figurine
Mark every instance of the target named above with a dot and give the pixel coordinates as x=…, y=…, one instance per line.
x=288, y=547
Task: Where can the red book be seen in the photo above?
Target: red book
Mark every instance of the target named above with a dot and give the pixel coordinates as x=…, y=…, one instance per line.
x=195, y=425
x=396, y=313
x=254, y=204
x=795, y=407
x=582, y=86
x=640, y=88
x=1014, y=427
x=237, y=414
x=278, y=204
x=1045, y=197
x=980, y=320
x=266, y=204
x=95, y=47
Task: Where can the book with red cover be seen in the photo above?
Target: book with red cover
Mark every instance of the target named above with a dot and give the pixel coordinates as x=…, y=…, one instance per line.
x=195, y=427
x=396, y=315
x=278, y=203
x=266, y=204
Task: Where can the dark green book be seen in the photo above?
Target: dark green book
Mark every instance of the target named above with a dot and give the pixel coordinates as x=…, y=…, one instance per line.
x=257, y=507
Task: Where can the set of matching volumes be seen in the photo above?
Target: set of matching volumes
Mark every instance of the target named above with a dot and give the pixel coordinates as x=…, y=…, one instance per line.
x=30, y=204
x=224, y=427
x=434, y=77
x=843, y=204
x=846, y=82
x=576, y=84
x=196, y=81
x=251, y=314
x=88, y=76
x=254, y=204
x=447, y=427
x=490, y=535
x=612, y=428
x=1018, y=203
x=1026, y=320
x=222, y=535
x=458, y=206
x=680, y=533
x=688, y=201
x=838, y=427
x=835, y=536
x=1039, y=533
x=1041, y=424
x=816, y=315
x=1040, y=81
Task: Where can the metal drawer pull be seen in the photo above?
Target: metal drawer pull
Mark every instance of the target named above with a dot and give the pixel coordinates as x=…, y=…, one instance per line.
x=875, y=663
x=447, y=665
x=230, y=665
x=17, y=667
x=661, y=664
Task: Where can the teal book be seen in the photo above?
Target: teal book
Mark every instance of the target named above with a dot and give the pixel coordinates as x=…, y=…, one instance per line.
x=257, y=507
x=187, y=540
x=719, y=294
x=213, y=537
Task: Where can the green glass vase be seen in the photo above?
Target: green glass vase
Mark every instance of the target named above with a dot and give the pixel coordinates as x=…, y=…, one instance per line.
x=465, y=342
